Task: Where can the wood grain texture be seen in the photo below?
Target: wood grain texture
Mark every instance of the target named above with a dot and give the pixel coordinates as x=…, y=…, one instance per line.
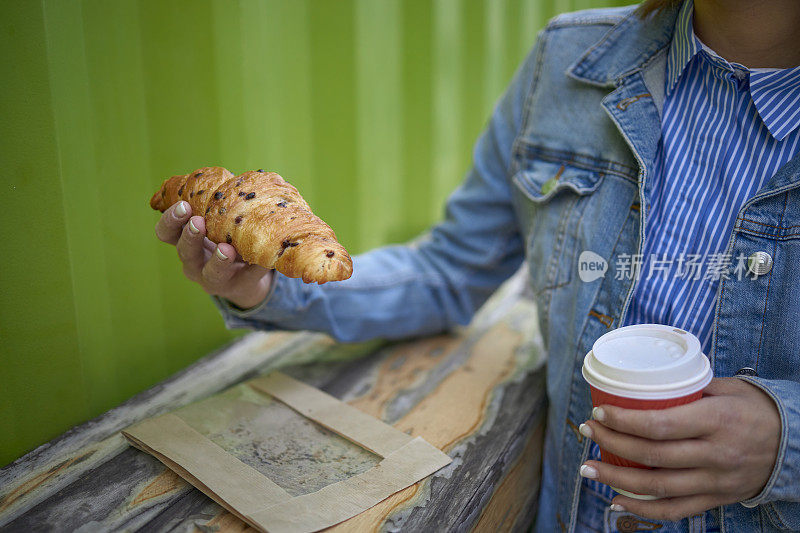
x=477, y=393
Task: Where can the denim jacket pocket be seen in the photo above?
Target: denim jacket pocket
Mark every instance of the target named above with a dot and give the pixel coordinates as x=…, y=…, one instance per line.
x=550, y=198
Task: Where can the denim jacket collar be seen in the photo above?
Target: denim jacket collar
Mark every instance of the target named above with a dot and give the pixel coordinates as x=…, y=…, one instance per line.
x=630, y=47
x=625, y=49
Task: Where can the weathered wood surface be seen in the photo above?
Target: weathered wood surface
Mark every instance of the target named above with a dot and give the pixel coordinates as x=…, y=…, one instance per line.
x=478, y=394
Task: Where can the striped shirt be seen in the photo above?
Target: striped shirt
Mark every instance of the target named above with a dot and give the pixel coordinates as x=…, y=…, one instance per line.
x=726, y=130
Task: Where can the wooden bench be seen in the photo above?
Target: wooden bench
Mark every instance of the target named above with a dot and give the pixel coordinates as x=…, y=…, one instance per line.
x=476, y=393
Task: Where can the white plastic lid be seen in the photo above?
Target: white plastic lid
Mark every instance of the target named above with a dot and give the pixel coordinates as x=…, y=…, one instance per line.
x=647, y=361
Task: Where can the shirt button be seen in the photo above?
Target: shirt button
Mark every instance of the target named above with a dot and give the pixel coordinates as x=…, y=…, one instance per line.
x=759, y=263
x=747, y=371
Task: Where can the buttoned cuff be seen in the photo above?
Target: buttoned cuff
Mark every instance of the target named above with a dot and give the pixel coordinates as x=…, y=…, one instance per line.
x=783, y=482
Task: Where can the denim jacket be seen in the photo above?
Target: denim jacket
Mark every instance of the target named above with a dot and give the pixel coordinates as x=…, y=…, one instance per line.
x=563, y=167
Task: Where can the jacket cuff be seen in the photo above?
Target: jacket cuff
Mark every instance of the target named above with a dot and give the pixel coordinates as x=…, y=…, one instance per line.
x=275, y=305
x=782, y=483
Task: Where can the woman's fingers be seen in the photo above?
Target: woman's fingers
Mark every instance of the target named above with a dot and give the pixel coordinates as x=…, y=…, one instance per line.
x=670, y=509
x=220, y=268
x=661, y=483
x=190, y=248
x=209, y=245
x=211, y=265
x=681, y=422
x=170, y=225
x=681, y=453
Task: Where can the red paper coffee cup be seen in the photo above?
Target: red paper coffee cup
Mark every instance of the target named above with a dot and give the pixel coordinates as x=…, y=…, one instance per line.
x=645, y=366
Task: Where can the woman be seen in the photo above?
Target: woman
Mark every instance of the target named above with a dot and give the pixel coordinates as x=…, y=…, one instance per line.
x=655, y=138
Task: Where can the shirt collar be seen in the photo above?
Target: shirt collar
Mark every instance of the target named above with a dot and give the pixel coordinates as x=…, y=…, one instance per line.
x=775, y=93
x=685, y=45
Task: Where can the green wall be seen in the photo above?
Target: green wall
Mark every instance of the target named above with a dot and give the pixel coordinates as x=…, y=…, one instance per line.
x=370, y=107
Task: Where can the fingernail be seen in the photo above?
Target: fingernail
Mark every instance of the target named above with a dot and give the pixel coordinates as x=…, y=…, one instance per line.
x=180, y=210
x=588, y=471
x=598, y=414
x=585, y=430
x=220, y=254
x=193, y=228
x=617, y=507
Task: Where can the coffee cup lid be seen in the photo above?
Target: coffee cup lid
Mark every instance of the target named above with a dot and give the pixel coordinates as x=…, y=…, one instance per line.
x=647, y=361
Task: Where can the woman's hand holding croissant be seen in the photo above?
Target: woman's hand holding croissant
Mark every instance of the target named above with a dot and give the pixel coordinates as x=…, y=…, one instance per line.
x=218, y=268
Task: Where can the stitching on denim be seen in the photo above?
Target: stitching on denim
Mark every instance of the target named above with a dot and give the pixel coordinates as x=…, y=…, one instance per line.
x=569, y=160
x=781, y=235
x=561, y=231
x=541, y=44
x=647, y=57
x=766, y=297
x=790, y=237
x=566, y=214
x=550, y=288
x=657, y=52
x=576, y=159
x=769, y=225
x=600, y=46
x=720, y=298
x=630, y=216
x=715, y=334
x=557, y=24
x=559, y=248
x=784, y=437
x=774, y=515
x=763, y=319
x=547, y=298
x=768, y=194
x=602, y=497
x=570, y=262
x=576, y=491
x=567, y=20
x=552, y=267
x=534, y=195
x=585, y=451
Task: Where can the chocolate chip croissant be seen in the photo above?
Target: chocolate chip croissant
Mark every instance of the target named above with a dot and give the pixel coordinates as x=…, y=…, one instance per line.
x=264, y=218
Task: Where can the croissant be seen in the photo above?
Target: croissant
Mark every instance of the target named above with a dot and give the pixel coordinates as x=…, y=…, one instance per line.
x=264, y=218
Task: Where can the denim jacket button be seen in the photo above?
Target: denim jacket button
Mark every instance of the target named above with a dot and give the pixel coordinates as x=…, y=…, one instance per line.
x=759, y=263
x=629, y=523
x=747, y=371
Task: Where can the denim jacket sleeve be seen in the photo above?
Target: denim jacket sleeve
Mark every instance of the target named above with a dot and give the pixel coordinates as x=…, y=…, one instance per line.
x=781, y=494
x=433, y=283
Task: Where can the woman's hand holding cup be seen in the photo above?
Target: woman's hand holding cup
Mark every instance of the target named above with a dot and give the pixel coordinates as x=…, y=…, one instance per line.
x=674, y=441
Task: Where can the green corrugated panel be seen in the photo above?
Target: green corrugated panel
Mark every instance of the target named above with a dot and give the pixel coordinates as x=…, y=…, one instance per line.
x=369, y=107
x=40, y=368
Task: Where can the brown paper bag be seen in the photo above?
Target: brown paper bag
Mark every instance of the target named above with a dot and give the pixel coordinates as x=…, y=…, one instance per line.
x=285, y=456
